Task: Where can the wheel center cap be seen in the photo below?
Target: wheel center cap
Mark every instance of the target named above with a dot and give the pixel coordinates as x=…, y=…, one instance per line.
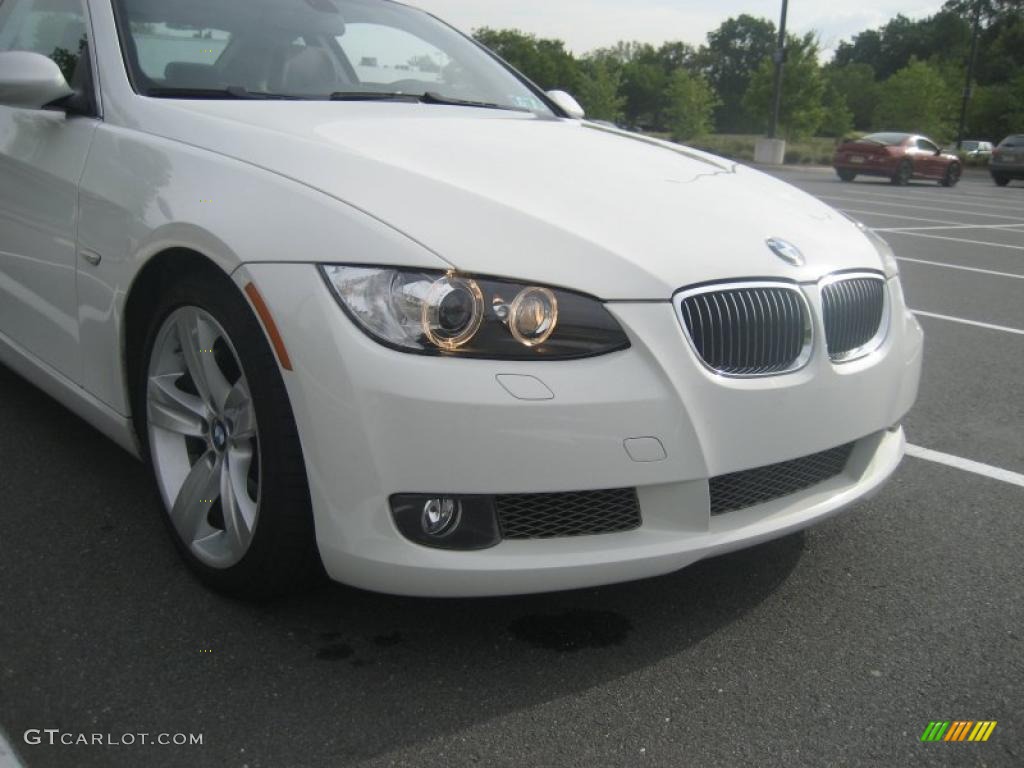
x=219, y=435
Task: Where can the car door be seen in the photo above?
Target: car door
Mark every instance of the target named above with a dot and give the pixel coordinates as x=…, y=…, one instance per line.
x=927, y=161
x=42, y=156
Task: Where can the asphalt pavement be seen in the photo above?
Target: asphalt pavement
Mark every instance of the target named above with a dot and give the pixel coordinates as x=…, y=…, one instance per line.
x=837, y=646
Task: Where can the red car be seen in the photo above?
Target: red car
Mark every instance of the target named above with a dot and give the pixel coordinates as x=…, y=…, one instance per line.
x=898, y=157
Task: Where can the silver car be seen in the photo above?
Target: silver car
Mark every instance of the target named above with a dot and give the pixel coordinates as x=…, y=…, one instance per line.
x=1008, y=160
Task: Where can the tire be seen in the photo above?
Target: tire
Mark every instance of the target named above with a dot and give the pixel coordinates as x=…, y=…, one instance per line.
x=952, y=175
x=232, y=479
x=1001, y=181
x=904, y=172
x=845, y=175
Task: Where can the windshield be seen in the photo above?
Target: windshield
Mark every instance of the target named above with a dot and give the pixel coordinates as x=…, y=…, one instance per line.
x=310, y=49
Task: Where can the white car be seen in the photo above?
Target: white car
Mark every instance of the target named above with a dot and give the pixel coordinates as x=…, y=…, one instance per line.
x=366, y=298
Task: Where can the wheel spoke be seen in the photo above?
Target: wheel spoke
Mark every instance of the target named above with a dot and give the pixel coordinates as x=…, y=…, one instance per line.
x=197, y=339
x=174, y=410
x=200, y=489
x=233, y=500
x=240, y=412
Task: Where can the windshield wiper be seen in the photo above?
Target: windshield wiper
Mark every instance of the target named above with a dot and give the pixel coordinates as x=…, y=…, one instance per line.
x=374, y=96
x=430, y=97
x=231, y=92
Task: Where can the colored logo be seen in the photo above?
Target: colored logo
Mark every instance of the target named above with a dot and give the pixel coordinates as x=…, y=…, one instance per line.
x=788, y=252
x=958, y=730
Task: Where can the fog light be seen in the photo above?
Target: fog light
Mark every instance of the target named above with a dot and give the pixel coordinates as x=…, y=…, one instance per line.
x=447, y=522
x=440, y=516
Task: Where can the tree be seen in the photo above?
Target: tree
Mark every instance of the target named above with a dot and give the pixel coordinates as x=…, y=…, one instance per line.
x=803, y=90
x=997, y=110
x=691, y=105
x=599, y=91
x=546, y=62
x=918, y=99
x=732, y=54
x=644, y=81
x=890, y=48
x=855, y=83
x=837, y=119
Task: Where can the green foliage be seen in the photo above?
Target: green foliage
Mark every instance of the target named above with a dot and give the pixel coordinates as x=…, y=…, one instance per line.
x=838, y=117
x=918, y=99
x=691, y=105
x=599, y=92
x=998, y=110
x=855, y=83
x=814, y=151
x=890, y=48
x=906, y=75
x=732, y=54
x=545, y=62
x=803, y=91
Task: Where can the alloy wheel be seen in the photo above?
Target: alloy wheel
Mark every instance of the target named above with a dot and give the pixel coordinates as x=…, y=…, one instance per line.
x=203, y=437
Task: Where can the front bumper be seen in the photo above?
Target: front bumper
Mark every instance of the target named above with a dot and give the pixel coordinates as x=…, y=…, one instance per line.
x=1012, y=170
x=375, y=422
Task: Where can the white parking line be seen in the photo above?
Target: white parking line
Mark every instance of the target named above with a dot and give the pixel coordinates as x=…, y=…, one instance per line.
x=962, y=321
x=960, y=266
x=958, y=240
x=992, y=202
x=1003, y=227
x=869, y=201
x=976, y=467
x=905, y=217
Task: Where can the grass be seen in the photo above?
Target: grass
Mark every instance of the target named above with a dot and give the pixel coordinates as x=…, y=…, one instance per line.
x=813, y=151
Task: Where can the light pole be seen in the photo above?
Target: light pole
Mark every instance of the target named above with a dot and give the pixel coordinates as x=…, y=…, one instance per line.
x=968, y=87
x=780, y=60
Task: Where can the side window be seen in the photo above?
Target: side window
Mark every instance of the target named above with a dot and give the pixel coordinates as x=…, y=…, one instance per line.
x=54, y=28
x=926, y=146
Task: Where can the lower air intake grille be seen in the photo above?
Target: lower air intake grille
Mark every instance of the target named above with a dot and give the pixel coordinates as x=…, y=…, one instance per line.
x=756, y=486
x=553, y=515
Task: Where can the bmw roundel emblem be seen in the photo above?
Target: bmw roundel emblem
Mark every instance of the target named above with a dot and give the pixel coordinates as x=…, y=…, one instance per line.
x=786, y=251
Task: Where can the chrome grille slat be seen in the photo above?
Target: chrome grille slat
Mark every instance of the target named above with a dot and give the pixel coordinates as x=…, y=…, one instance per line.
x=855, y=313
x=748, y=329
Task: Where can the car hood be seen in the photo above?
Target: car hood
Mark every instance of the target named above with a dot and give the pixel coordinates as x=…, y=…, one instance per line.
x=614, y=214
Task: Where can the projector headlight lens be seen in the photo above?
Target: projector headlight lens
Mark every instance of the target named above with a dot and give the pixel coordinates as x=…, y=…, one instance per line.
x=533, y=316
x=443, y=313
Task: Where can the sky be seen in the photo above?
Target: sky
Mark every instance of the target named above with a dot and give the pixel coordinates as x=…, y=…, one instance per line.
x=588, y=24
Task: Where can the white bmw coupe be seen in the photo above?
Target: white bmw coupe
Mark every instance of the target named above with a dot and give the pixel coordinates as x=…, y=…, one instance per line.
x=370, y=303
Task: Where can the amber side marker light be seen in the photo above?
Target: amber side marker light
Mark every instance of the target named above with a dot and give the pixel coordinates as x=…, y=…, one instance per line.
x=268, y=322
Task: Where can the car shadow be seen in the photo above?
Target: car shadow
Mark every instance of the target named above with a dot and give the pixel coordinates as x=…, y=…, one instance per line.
x=104, y=629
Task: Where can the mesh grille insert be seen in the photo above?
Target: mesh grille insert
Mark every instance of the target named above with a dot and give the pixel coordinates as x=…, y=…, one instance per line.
x=553, y=515
x=740, y=490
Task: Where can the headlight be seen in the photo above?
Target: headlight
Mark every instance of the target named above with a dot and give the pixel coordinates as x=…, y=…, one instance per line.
x=447, y=313
x=889, y=262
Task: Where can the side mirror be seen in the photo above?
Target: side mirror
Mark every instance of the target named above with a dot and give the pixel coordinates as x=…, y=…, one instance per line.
x=30, y=80
x=567, y=104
